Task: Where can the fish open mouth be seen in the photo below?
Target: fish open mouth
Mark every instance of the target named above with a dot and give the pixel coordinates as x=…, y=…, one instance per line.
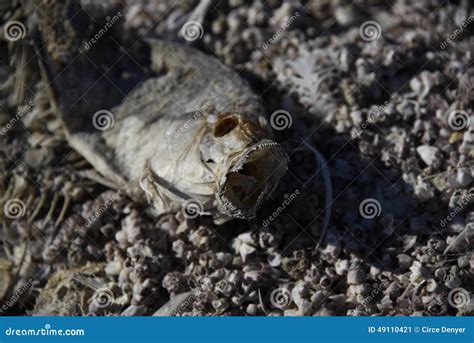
x=251, y=179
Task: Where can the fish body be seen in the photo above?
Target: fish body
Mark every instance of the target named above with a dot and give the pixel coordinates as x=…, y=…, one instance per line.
x=190, y=131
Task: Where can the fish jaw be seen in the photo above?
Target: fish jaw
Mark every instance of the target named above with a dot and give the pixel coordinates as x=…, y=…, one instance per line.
x=250, y=179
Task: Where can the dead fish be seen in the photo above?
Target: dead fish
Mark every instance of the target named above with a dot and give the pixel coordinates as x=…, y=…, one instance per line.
x=191, y=133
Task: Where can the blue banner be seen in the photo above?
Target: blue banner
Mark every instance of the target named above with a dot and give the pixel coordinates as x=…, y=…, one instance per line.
x=237, y=329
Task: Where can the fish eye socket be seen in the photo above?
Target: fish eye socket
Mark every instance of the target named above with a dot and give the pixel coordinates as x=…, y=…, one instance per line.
x=224, y=126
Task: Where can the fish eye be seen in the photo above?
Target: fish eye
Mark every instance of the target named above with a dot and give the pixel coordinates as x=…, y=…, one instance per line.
x=225, y=125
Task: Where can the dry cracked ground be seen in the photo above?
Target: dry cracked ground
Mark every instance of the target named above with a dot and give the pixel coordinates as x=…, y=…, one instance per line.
x=372, y=101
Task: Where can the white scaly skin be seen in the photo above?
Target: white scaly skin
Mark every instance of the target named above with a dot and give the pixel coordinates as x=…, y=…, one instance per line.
x=176, y=159
x=190, y=129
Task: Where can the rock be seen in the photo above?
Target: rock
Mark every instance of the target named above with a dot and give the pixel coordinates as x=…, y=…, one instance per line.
x=113, y=268
x=428, y=154
x=424, y=190
x=464, y=177
x=356, y=276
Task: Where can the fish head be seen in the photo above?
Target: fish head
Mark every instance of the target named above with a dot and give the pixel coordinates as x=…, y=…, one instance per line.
x=246, y=162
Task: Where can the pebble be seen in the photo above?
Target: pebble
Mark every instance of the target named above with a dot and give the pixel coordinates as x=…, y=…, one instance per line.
x=464, y=177
x=356, y=276
x=428, y=154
